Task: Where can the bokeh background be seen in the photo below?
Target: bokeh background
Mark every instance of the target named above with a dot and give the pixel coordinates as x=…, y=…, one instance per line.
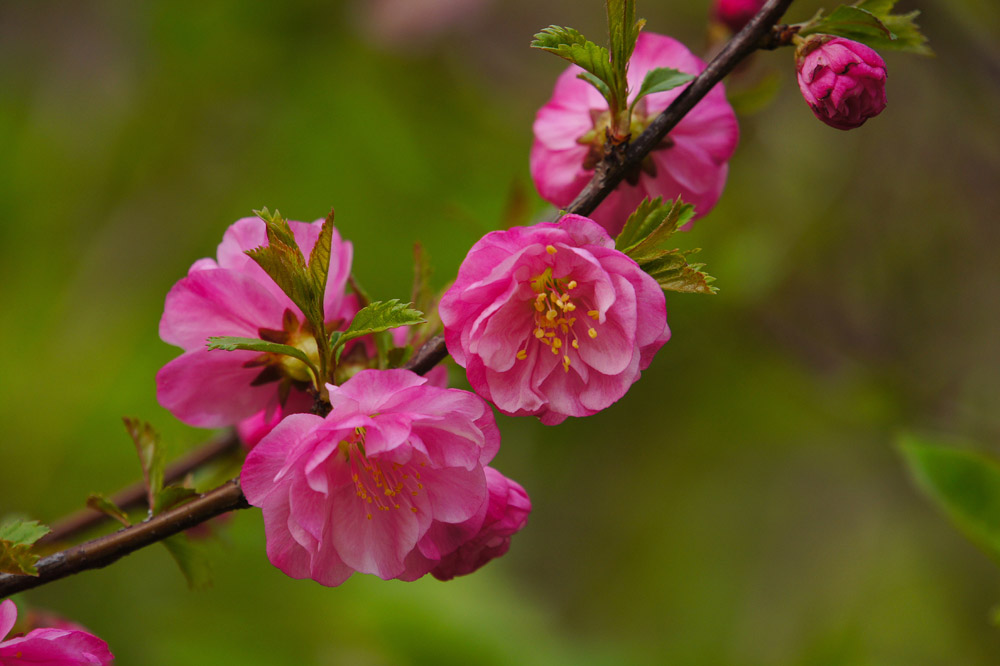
x=743, y=504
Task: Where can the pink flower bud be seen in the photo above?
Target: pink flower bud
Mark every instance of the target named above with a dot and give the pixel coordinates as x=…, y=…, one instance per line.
x=843, y=81
x=735, y=14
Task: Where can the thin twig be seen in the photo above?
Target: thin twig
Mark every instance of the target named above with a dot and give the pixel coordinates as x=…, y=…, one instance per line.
x=105, y=550
x=134, y=496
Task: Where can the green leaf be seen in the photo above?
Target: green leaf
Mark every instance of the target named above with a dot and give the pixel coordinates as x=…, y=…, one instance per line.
x=380, y=316
x=652, y=224
x=319, y=258
x=659, y=80
x=672, y=272
x=601, y=86
x=570, y=45
x=152, y=456
x=231, y=343
x=105, y=505
x=16, y=539
x=870, y=23
x=283, y=261
x=623, y=31
x=964, y=483
x=192, y=560
x=172, y=496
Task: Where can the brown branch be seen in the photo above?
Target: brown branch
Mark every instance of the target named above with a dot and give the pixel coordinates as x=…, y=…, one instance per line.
x=134, y=495
x=617, y=163
x=107, y=549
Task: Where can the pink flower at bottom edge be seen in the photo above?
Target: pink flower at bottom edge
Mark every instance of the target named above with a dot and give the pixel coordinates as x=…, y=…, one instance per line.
x=49, y=647
x=372, y=486
x=552, y=320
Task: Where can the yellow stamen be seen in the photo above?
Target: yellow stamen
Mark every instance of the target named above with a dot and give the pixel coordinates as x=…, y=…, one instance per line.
x=592, y=332
x=539, y=332
x=557, y=343
x=593, y=314
x=576, y=345
x=551, y=314
x=572, y=284
x=521, y=355
x=550, y=249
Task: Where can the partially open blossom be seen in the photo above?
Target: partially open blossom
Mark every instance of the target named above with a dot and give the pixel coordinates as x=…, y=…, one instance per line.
x=232, y=296
x=842, y=81
x=691, y=162
x=552, y=320
x=735, y=14
x=49, y=647
x=506, y=514
x=385, y=484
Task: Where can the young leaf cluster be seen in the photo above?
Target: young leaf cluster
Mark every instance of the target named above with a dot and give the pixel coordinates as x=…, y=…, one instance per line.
x=377, y=318
x=871, y=22
x=644, y=238
x=190, y=558
x=16, y=540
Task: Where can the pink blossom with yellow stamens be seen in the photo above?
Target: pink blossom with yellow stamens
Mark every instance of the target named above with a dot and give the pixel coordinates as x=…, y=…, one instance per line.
x=552, y=320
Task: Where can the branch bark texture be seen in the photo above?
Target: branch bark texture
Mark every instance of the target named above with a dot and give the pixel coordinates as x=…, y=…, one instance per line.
x=107, y=549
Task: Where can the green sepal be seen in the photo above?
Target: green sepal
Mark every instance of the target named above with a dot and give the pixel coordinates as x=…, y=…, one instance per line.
x=152, y=456
x=962, y=482
x=872, y=23
x=659, y=80
x=380, y=316
x=172, y=496
x=16, y=540
x=191, y=559
x=107, y=506
x=231, y=343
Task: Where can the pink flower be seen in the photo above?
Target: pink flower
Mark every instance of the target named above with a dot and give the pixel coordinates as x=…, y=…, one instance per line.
x=690, y=163
x=384, y=484
x=735, y=14
x=49, y=647
x=506, y=514
x=233, y=296
x=843, y=81
x=552, y=320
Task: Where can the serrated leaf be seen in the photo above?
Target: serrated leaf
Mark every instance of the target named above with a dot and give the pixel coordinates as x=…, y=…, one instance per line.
x=623, y=31
x=232, y=343
x=16, y=539
x=23, y=531
x=672, y=272
x=172, y=496
x=964, y=483
x=192, y=561
x=152, y=456
x=569, y=44
x=659, y=80
x=655, y=223
x=319, y=258
x=105, y=505
x=283, y=261
x=421, y=294
x=381, y=316
x=871, y=23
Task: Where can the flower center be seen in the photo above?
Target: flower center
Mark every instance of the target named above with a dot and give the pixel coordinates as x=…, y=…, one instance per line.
x=282, y=368
x=596, y=139
x=555, y=321
x=381, y=486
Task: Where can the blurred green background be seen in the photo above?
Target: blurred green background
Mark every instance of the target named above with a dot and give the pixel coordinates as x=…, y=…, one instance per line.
x=743, y=504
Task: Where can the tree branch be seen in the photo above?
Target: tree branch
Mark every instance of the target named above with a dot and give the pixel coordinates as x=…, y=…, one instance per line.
x=617, y=163
x=107, y=549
